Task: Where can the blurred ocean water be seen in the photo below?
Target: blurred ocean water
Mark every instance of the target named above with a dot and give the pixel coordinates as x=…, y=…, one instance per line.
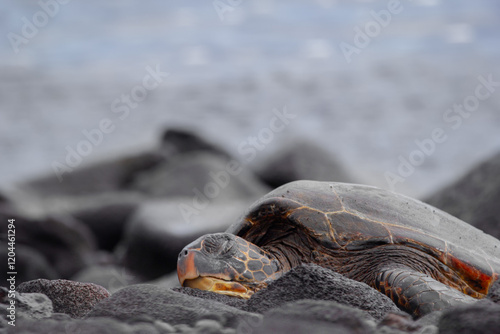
x=229, y=68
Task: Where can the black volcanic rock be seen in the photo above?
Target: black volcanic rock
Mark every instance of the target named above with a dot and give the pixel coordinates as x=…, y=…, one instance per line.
x=107, y=221
x=100, y=177
x=73, y=298
x=302, y=160
x=62, y=325
x=179, y=141
x=30, y=263
x=310, y=315
x=147, y=303
x=33, y=305
x=225, y=178
x=474, y=319
x=310, y=281
x=401, y=322
x=230, y=301
x=474, y=198
x=65, y=243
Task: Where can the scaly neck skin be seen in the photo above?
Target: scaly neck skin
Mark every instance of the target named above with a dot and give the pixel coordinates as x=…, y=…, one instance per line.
x=284, y=257
x=291, y=249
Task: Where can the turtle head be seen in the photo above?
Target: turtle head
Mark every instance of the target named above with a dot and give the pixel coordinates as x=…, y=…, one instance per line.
x=226, y=264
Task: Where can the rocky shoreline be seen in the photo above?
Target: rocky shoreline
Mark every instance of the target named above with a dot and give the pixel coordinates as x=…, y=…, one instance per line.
x=97, y=252
x=307, y=299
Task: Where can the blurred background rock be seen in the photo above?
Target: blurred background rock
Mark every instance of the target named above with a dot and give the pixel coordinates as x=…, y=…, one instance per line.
x=156, y=181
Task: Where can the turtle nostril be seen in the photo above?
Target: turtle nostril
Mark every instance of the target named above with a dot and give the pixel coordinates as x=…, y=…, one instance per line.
x=183, y=252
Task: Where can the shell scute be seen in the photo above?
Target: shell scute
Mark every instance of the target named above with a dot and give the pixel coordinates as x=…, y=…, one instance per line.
x=314, y=221
x=353, y=232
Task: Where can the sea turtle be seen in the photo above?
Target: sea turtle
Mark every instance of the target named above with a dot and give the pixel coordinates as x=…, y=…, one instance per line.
x=421, y=257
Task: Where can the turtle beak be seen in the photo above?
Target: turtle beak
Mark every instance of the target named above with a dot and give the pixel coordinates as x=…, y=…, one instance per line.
x=186, y=268
x=194, y=263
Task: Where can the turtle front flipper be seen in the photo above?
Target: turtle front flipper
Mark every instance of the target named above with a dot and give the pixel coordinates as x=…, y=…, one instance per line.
x=418, y=293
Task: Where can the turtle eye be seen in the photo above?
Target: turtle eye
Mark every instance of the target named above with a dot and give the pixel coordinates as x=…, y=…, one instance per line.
x=210, y=245
x=226, y=247
x=218, y=246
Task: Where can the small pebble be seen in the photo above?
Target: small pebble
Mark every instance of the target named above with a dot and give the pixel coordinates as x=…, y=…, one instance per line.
x=207, y=326
x=181, y=328
x=164, y=327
